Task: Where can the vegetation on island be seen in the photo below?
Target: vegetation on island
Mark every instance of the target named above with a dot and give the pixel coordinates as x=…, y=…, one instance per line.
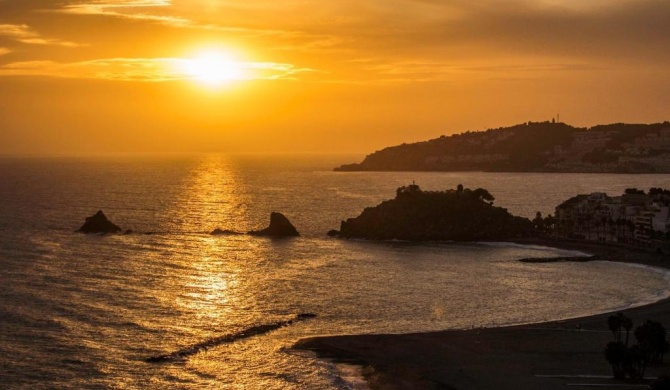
x=533, y=147
x=459, y=214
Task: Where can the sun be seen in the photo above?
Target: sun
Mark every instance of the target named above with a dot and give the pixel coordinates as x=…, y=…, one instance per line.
x=213, y=68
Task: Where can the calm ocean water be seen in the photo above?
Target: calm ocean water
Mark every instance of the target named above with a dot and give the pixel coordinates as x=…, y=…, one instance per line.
x=84, y=311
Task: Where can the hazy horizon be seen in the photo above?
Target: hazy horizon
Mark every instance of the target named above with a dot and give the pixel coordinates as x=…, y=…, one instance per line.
x=176, y=76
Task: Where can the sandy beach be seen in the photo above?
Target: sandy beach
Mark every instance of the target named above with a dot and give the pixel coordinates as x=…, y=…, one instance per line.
x=552, y=355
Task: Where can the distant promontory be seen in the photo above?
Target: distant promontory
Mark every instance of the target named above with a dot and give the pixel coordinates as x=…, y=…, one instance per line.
x=452, y=215
x=533, y=147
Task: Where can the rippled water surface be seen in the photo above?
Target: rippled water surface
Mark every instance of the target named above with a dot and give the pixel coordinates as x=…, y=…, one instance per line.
x=84, y=311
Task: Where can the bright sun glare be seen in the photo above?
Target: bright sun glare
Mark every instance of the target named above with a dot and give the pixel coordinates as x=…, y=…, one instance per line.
x=213, y=68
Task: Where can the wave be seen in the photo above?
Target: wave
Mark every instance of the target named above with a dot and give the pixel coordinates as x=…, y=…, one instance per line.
x=568, y=252
x=660, y=294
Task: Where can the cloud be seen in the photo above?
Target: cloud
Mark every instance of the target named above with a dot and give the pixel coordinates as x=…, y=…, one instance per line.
x=23, y=33
x=290, y=39
x=404, y=41
x=413, y=37
x=128, y=9
x=4, y=50
x=312, y=44
x=621, y=29
x=103, y=6
x=119, y=9
x=128, y=3
x=146, y=69
x=376, y=70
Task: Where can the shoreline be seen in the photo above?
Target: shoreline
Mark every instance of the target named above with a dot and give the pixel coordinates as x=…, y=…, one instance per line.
x=547, y=355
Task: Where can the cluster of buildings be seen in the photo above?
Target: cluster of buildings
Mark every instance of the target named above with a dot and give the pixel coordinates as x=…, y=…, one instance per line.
x=648, y=152
x=634, y=218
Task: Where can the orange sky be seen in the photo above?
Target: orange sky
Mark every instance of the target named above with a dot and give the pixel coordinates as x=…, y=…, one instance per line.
x=127, y=76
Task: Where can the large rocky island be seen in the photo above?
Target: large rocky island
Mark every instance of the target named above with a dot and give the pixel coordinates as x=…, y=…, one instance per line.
x=533, y=147
x=452, y=215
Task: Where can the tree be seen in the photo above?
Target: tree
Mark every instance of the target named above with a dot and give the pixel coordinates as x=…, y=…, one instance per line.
x=627, y=324
x=633, y=191
x=658, y=191
x=484, y=195
x=538, y=222
x=617, y=323
x=635, y=362
x=652, y=338
x=408, y=190
x=615, y=354
x=550, y=224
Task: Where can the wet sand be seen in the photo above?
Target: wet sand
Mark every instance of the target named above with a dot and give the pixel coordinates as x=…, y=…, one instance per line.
x=552, y=355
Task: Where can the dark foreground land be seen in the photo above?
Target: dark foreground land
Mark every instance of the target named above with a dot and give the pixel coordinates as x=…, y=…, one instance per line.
x=553, y=355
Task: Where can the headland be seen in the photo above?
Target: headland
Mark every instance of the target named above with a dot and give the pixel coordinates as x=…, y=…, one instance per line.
x=533, y=147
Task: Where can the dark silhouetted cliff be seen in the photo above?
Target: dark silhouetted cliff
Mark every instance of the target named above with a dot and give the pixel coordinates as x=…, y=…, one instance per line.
x=453, y=215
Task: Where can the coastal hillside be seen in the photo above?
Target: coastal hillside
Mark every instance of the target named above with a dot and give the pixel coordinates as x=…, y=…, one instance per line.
x=533, y=147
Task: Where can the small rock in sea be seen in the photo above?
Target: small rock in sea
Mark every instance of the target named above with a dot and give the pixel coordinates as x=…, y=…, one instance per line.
x=99, y=223
x=304, y=316
x=219, y=232
x=129, y=231
x=333, y=233
x=279, y=227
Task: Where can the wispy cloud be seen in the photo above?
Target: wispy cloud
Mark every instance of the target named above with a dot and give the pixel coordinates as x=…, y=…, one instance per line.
x=134, y=10
x=425, y=70
x=103, y=6
x=311, y=43
x=127, y=3
x=4, y=50
x=146, y=69
x=626, y=30
x=128, y=9
x=23, y=33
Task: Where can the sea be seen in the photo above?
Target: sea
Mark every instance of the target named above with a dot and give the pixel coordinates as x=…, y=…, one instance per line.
x=86, y=311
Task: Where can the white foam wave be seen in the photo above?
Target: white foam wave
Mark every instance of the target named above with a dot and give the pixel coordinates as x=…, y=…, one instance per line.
x=563, y=252
x=660, y=295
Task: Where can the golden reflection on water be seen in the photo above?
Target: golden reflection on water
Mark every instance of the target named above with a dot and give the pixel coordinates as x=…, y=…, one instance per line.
x=214, y=287
x=213, y=197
